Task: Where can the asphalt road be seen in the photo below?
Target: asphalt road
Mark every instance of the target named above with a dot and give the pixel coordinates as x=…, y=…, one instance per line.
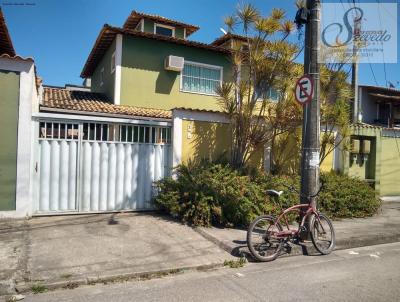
x=362, y=274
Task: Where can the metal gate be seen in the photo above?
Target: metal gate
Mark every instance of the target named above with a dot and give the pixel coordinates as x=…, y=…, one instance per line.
x=94, y=167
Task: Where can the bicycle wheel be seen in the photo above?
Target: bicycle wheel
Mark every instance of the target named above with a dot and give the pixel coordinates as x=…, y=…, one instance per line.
x=322, y=233
x=261, y=239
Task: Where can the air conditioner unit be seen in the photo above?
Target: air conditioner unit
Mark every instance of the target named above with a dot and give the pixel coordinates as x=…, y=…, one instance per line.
x=174, y=63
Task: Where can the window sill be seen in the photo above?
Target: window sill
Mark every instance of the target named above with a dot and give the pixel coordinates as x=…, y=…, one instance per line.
x=200, y=93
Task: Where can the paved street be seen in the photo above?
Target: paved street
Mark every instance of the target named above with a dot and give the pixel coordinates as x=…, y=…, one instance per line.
x=362, y=274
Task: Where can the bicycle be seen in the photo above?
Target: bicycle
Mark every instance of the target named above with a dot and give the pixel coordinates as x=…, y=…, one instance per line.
x=272, y=236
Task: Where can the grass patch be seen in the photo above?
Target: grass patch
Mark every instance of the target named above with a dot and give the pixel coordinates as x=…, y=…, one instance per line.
x=235, y=263
x=66, y=276
x=38, y=288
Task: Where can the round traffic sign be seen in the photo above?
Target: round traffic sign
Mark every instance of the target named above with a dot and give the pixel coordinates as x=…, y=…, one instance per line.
x=304, y=90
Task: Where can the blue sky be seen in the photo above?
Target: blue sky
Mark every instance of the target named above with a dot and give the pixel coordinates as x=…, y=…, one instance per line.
x=59, y=34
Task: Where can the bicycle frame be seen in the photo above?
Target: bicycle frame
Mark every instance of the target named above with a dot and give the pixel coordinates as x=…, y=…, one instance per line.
x=291, y=232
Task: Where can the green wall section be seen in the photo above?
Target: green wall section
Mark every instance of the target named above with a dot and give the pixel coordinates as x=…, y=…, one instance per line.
x=146, y=83
x=383, y=163
x=108, y=76
x=148, y=26
x=179, y=33
x=369, y=170
x=9, y=95
x=390, y=166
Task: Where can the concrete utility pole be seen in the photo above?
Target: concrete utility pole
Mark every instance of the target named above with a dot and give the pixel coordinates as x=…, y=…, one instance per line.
x=311, y=112
x=354, y=71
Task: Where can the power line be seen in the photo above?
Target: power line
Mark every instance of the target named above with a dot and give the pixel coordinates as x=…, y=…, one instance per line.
x=373, y=73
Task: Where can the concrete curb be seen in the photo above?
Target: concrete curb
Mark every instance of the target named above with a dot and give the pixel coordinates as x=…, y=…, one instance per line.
x=222, y=245
x=25, y=287
x=341, y=244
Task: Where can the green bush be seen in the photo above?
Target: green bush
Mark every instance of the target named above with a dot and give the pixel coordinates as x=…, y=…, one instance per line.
x=347, y=197
x=215, y=194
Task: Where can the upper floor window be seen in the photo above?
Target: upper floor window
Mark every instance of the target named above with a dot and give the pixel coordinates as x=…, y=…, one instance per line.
x=271, y=95
x=201, y=78
x=165, y=30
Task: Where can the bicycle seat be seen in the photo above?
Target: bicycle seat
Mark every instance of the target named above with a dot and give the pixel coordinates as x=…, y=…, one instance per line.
x=274, y=193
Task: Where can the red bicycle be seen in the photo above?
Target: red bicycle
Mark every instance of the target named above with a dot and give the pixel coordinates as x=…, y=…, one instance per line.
x=266, y=236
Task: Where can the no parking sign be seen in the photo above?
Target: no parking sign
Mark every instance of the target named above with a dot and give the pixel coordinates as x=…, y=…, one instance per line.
x=304, y=90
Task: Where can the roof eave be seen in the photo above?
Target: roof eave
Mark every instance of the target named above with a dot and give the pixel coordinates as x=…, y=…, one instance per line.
x=9, y=45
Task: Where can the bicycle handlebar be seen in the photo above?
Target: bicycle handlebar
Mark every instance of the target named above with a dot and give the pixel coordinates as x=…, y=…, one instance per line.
x=293, y=189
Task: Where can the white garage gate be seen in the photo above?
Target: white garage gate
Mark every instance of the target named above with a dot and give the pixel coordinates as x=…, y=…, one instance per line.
x=95, y=167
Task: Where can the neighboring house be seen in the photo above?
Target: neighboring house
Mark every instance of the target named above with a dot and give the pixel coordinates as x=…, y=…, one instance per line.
x=380, y=106
x=375, y=142
x=18, y=99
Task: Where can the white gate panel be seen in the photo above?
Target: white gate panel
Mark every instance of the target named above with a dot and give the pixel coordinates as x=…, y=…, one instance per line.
x=112, y=176
x=100, y=167
x=44, y=170
x=103, y=177
x=57, y=166
x=72, y=174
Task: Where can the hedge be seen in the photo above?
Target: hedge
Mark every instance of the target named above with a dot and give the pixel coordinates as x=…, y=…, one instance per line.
x=205, y=194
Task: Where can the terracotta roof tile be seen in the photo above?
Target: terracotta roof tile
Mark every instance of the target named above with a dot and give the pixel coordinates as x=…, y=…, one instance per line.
x=364, y=125
x=135, y=17
x=380, y=89
x=15, y=57
x=221, y=40
x=198, y=110
x=82, y=101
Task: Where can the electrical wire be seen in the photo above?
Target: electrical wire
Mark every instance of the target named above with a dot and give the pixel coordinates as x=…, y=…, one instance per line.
x=373, y=73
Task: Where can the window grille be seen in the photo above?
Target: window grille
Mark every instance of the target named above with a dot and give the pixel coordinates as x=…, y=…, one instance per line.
x=106, y=132
x=201, y=79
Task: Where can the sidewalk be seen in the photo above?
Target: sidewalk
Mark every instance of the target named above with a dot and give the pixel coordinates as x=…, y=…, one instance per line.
x=66, y=251
x=350, y=233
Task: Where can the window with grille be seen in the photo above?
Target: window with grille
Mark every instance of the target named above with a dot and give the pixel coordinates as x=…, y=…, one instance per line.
x=271, y=95
x=201, y=78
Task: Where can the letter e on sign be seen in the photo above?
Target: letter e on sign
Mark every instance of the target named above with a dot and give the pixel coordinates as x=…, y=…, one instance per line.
x=304, y=90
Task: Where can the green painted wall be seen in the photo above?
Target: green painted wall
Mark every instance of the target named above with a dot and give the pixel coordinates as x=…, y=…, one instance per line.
x=145, y=82
x=148, y=26
x=390, y=166
x=179, y=33
x=9, y=95
x=108, y=76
